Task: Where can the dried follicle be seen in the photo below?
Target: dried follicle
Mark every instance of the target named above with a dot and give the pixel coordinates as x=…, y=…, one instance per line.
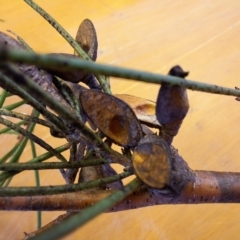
x=70, y=76
x=43, y=79
x=112, y=116
x=172, y=105
x=152, y=161
x=73, y=76
x=144, y=109
x=87, y=38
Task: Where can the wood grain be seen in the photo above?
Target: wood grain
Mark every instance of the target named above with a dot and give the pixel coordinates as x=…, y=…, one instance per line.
x=201, y=36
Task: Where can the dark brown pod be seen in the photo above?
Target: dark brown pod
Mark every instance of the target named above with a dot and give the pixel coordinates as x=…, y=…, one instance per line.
x=74, y=76
x=112, y=116
x=87, y=38
x=172, y=106
x=152, y=161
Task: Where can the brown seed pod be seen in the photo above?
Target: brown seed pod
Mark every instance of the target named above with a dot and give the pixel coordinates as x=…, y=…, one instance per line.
x=70, y=76
x=87, y=38
x=112, y=116
x=152, y=161
x=172, y=106
x=144, y=109
x=73, y=76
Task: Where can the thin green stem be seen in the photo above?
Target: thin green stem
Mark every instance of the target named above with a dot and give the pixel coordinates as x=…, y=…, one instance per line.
x=69, y=39
x=51, y=165
x=31, y=100
x=75, y=100
x=12, y=132
x=68, y=95
x=34, y=154
x=14, y=105
x=62, y=90
x=15, y=157
x=53, y=62
x=37, y=179
x=9, y=154
x=79, y=219
x=32, y=87
x=7, y=129
x=33, y=137
x=3, y=97
x=8, y=95
x=22, y=41
x=6, y=184
x=5, y=175
x=26, y=118
x=33, y=191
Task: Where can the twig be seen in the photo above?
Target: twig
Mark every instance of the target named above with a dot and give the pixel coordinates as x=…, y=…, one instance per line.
x=5, y=175
x=83, y=217
x=26, y=118
x=32, y=137
x=51, y=165
x=22, y=93
x=205, y=187
x=37, y=179
x=69, y=39
x=51, y=62
x=30, y=86
x=14, y=105
x=34, y=191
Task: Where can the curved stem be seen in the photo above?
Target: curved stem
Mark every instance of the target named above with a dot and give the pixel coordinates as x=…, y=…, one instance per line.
x=5, y=175
x=26, y=96
x=32, y=137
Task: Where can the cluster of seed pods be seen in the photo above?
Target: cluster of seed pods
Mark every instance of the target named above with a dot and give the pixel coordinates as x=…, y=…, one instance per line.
x=121, y=118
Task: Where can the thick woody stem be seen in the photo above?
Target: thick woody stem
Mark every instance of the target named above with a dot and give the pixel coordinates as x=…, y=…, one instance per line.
x=205, y=187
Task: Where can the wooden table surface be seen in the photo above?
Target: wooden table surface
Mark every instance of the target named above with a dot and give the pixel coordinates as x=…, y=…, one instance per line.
x=204, y=38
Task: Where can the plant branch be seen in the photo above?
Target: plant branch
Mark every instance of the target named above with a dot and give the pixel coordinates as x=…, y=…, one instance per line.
x=3, y=97
x=26, y=118
x=33, y=191
x=51, y=165
x=51, y=62
x=31, y=100
x=69, y=39
x=79, y=219
x=41, y=158
x=30, y=86
x=14, y=105
x=33, y=138
x=206, y=187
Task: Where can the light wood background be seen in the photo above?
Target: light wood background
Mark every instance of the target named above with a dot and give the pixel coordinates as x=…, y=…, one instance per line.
x=204, y=38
